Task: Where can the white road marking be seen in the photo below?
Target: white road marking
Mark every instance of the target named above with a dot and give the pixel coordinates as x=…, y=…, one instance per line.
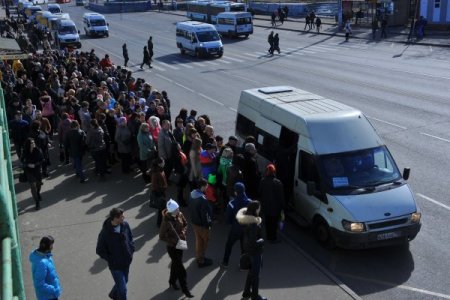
x=262, y=54
x=245, y=78
x=184, y=87
x=211, y=63
x=164, y=77
x=224, y=61
x=179, y=63
x=169, y=66
x=211, y=99
x=306, y=51
x=434, y=201
x=198, y=64
x=235, y=59
x=251, y=54
x=324, y=47
x=436, y=137
x=404, y=287
x=233, y=109
x=386, y=122
x=157, y=68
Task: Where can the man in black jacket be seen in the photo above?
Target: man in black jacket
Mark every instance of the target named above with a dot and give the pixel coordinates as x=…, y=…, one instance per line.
x=201, y=222
x=115, y=245
x=75, y=144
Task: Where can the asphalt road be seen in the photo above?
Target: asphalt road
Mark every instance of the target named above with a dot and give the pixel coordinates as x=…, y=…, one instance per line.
x=403, y=89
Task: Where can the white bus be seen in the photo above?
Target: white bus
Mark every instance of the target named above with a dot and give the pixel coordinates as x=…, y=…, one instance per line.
x=234, y=24
x=207, y=11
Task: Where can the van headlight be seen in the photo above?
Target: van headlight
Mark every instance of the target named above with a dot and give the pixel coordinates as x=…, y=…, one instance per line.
x=201, y=44
x=415, y=217
x=353, y=226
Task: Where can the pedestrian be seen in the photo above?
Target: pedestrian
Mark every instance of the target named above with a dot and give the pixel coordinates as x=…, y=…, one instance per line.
x=45, y=278
x=239, y=201
x=159, y=185
x=286, y=11
x=348, y=30
x=147, y=150
x=201, y=219
x=271, y=195
x=383, y=28
x=167, y=146
x=248, y=218
x=115, y=245
x=97, y=146
x=273, y=17
x=270, y=41
x=225, y=162
x=125, y=54
x=173, y=228
x=318, y=24
x=250, y=171
x=146, y=59
x=195, y=170
x=234, y=175
x=18, y=131
x=312, y=17
x=281, y=16
x=374, y=28
x=276, y=43
x=150, y=47
x=307, y=22
x=63, y=129
x=75, y=145
x=42, y=142
x=208, y=160
x=123, y=140
x=32, y=159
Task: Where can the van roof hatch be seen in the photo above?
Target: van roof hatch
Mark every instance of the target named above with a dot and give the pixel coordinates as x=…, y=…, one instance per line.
x=275, y=89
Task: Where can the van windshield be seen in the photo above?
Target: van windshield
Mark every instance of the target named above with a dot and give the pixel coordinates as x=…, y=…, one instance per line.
x=243, y=21
x=54, y=10
x=359, y=169
x=208, y=36
x=98, y=22
x=67, y=30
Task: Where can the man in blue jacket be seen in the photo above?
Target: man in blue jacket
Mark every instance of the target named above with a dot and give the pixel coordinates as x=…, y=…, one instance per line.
x=115, y=245
x=240, y=201
x=45, y=278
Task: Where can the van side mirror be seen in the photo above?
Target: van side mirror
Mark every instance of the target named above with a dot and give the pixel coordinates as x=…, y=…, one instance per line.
x=78, y=32
x=310, y=188
x=406, y=173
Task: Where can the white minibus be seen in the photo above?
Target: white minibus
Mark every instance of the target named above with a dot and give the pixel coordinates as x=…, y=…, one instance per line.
x=234, y=24
x=202, y=39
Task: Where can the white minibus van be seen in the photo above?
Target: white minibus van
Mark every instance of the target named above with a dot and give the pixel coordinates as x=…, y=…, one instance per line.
x=338, y=174
x=94, y=24
x=202, y=39
x=234, y=24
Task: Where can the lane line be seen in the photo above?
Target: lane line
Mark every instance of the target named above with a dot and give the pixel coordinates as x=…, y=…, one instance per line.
x=232, y=109
x=169, y=66
x=245, y=78
x=435, y=137
x=235, y=59
x=211, y=99
x=401, y=286
x=184, y=87
x=164, y=77
x=386, y=122
x=434, y=201
x=211, y=63
x=179, y=63
x=224, y=61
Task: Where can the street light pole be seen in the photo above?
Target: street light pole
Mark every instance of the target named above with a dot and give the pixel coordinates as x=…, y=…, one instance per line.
x=339, y=2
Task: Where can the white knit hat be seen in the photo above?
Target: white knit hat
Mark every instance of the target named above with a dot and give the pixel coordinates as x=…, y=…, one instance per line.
x=172, y=206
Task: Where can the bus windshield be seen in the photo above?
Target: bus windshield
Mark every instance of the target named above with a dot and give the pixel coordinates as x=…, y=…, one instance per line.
x=208, y=36
x=359, y=169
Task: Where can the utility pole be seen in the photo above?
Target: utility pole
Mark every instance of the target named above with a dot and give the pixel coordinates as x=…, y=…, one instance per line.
x=339, y=3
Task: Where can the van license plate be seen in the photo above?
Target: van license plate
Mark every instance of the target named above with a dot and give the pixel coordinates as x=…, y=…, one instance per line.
x=388, y=235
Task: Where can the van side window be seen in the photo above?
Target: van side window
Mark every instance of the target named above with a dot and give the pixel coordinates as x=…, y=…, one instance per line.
x=308, y=168
x=267, y=144
x=245, y=126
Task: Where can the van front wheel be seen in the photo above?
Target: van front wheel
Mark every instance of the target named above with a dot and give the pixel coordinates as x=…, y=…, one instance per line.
x=198, y=54
x=323, y=236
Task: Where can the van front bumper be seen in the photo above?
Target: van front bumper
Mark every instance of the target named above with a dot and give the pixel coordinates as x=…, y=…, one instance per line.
x=382, y=238
x=211, y=51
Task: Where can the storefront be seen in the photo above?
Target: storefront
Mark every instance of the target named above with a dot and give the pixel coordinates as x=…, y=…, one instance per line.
x=363, y=12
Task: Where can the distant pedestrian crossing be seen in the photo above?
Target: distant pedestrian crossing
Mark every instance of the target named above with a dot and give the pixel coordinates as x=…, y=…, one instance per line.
x=232, y=58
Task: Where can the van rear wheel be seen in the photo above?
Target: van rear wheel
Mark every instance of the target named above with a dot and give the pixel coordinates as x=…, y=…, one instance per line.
x=182, y=51
x=198, y=54
x=323, y=235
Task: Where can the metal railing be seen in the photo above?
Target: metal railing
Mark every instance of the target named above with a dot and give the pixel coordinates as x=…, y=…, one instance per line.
x=12, y=287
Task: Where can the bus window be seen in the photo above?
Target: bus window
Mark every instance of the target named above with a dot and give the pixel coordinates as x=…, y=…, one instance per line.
x=244, y=21
x=267, y=144
x=225, y=21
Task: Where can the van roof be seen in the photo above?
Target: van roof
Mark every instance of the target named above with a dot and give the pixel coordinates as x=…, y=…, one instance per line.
x=197, y=26
x=93, y=15
x=66, y=22
x=332, y=126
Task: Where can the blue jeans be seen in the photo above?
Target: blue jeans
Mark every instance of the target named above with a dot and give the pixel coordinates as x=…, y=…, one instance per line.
x=120, y=287
x=78, y=165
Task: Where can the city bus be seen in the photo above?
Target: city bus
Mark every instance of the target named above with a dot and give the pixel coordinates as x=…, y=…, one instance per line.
x=207, y=11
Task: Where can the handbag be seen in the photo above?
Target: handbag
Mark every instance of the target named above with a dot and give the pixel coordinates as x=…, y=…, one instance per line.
x=157, y=201
x=181, y=244
x=23, y=177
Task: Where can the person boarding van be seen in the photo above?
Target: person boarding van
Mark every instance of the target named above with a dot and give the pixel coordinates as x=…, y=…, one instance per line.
x=338, y=174
x=201, y=39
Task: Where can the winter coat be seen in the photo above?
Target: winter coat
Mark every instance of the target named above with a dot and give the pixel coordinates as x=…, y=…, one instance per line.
x=208, y=162
x=159, y=181
x=19, y=130
x=234, y=175
x=251, y=231
x=36, y=158
x=195, y=171
x=232, y=209
x=63, y=129
x=45, y=278
x=200, y=209
x=45, y=125
x=146, y=145
x=123, y=139
x=85, y=118
x=116, y=248
x=75, y=142
x=95, y=140
x=271, y=196
x=251, y=175
x=42, y=141
x=167, y=233
x=224, y=165
x=165, y=144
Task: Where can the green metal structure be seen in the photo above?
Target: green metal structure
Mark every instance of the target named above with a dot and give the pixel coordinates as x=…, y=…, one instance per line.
x=12, y=287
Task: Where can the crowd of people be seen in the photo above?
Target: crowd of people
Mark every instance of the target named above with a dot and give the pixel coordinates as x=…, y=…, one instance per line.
x=77, y=104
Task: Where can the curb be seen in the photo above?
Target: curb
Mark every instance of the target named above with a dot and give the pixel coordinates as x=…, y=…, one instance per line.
x=321, y=268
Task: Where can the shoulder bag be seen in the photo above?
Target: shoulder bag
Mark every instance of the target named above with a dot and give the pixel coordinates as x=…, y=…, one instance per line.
x=181, y=244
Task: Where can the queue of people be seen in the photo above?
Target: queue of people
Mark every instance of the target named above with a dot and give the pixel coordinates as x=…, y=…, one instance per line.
x=94, y=107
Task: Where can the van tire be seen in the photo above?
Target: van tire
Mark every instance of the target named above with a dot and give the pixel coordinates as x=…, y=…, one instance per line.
x=323, y=235
x=197, y=54
x=246, y=35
